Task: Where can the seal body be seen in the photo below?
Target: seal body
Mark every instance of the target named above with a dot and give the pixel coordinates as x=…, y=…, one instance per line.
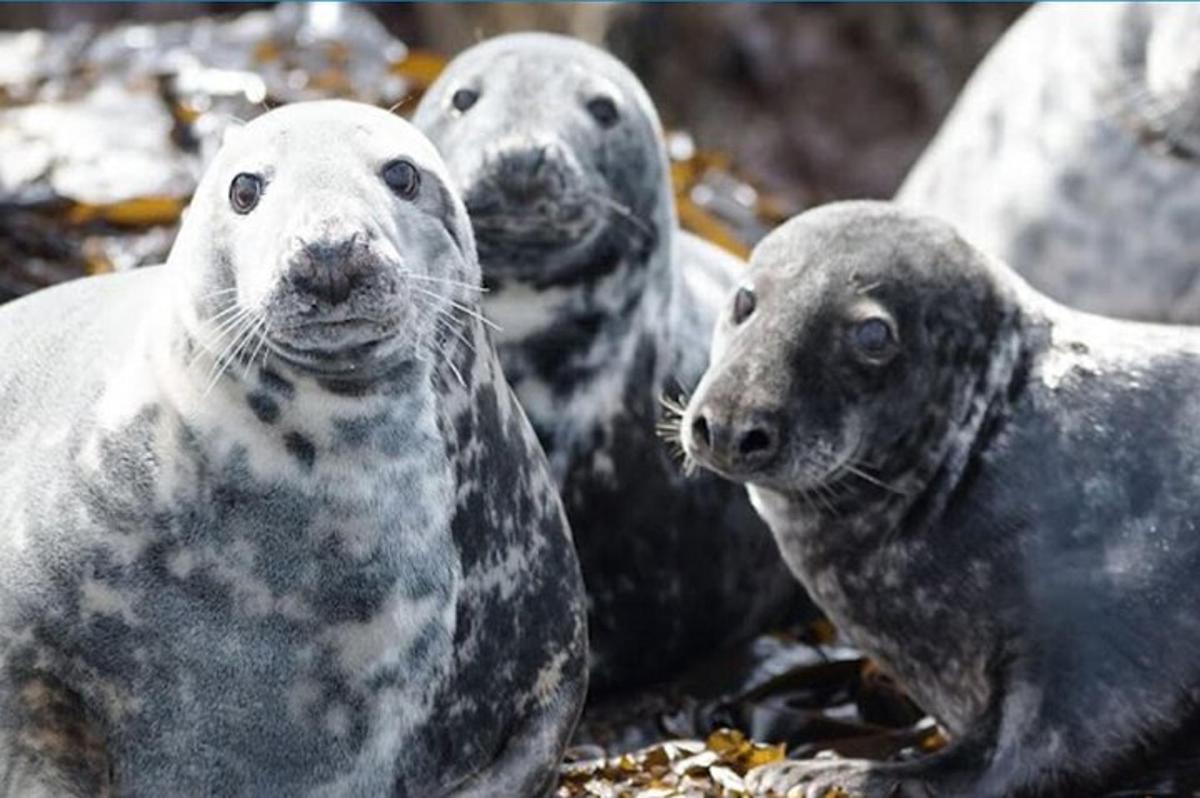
x=1072, y=154
x=992, y=495
x=604, y=308
x=273, y=523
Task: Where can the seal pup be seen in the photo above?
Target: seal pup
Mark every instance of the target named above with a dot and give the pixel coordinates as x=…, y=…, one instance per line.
x=605, y=307
x=1074, y=155
x=273, y=522
x=992, y=495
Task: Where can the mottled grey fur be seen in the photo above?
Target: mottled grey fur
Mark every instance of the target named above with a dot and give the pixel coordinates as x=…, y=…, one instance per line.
x=336, y=566
x=1074, y=155
x=1000, y=508
x=605, y=307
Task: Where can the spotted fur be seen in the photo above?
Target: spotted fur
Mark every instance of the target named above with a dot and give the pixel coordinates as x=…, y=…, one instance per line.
x=260, y=578
x=1074, y=155
x=605, y=308
x=1018, y=543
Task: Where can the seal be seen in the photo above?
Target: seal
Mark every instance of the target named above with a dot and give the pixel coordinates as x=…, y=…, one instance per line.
x=273, y=522
x=605, y=307
x=1073, y=155
x=991, y=494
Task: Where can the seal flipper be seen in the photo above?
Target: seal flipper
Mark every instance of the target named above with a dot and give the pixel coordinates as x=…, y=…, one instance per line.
x=50, y=744
x=1027, y=748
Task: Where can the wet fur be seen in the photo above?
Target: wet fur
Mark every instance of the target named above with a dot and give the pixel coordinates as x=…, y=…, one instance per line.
x=247, y=578
x=1027, y=573
x=593, y=336
x=1074, y=155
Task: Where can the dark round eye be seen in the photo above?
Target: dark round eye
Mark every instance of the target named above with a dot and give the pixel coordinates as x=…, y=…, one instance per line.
x=403, y=178
x=244, y=192
x=603, y=110
x=743, y=305
x=873, y=336
x=464, y=99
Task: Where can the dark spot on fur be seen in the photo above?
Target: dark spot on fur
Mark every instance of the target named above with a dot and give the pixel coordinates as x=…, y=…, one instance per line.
x=276, y=384
x=347, y=387
x=301, y=448
x=265, y=408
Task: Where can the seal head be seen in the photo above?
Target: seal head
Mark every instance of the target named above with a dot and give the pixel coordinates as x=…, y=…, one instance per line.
x=325, y=242
x=548, y=140
x=831, y=361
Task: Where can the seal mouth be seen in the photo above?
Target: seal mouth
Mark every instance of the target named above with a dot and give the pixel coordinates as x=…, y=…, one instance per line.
x=337, y=361
x=553, y=222
x=331, y=346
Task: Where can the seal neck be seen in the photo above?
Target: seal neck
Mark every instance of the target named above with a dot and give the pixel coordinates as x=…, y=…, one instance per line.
x=562, y=335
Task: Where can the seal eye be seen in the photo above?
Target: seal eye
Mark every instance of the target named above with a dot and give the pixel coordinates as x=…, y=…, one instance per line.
x=873, y=336
x=464, y=99
x=603, y=110
x=244, y=192
x=403, y=178
x=744, y=303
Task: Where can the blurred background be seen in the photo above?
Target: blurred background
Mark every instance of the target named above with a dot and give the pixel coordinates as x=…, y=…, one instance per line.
x=108, y=112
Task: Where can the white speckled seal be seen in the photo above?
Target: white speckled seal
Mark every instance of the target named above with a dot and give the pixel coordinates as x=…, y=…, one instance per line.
x=992, y=495
x=1073, y=154
x=605, y=307
x=271, y=521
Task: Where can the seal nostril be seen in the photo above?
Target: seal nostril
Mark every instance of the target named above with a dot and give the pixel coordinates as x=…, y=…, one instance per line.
x=754, y=441
x=700, y=431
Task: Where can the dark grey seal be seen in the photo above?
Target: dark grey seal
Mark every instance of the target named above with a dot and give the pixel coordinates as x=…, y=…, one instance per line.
x=1074, y=155
x=272, y=521
x=992, y=495
x=604, y=308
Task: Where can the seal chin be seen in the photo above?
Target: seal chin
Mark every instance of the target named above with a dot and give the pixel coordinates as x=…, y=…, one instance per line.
x=554, y=224
x=337, y=348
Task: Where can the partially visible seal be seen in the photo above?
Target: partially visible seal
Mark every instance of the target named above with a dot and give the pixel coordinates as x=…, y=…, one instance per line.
x=273, y=523
x=992, y=495
x=604, y=308
x=1074, y=155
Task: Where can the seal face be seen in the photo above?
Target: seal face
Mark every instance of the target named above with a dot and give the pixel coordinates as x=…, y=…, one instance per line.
x=990, y=494
x=273, y=521
x=1074, y=155
x=604, y=308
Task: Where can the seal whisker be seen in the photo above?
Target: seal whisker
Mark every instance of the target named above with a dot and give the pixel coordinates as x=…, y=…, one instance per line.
x=223, y=326
x=464, y=309
x=260, y=333
x=443, y=323
x=444, y=280
x=221, y=330
x=857, y=471
x=449, y=323
x=223, y=361
x=218, y=292
x=622, y=211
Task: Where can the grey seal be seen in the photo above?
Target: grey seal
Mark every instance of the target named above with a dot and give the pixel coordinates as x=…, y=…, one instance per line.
x=605, y=307
x=1073, y=154
x=273, y=522
x=993, y=495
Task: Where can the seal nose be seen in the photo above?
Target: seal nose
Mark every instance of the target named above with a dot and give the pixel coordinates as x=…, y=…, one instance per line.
x=531, y=170
x=328, y=269
x=740, y=443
